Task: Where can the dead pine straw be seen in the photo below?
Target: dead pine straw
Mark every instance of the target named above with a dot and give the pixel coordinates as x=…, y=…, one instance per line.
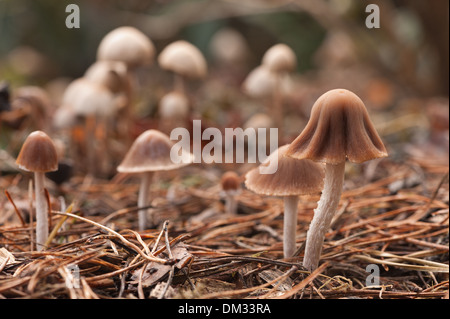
x=195, y=250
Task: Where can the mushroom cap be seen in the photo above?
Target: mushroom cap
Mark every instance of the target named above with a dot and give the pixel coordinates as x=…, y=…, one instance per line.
x=230, y=181
x=280, y=58
x=111, y=74
x=259, y=83
x=151, y=152
x=293, y=177
x=339, y=128
x=38, y=154
x=174, y=105
x=127, y=44
x=183, y=58
x=86, y=97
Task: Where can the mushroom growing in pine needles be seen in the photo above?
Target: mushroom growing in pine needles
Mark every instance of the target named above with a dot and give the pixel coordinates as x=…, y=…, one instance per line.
x=38, y=155
x=231, y=186
x=339, y=129
x=291, y=179
x=150, y=152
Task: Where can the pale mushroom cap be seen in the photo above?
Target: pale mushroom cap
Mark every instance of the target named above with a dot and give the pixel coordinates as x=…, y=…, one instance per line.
x=280, y=58
x=151, y=152
x=183, y=58
x=339, y=128
x=174, y=105
x=38, y=154
x=129, y=45
x=229, y=46
x=293, y=177
x=111, y=74
x=230, y=181
x=259, y=83
x=86, y=97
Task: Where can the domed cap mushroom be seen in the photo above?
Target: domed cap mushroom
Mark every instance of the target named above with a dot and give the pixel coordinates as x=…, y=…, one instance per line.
x=38, y=154
x=111, y=74
x=280, y=58
x=231, y=186
x=293, y=177
x=339, y=128
x=174, y=105
x=151, y=152
x=259, y=83
x=127, y=44
x=183, y=58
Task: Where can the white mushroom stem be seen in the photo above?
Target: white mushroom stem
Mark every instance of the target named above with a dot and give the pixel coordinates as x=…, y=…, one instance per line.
x=143, y=199
x=230, y=203
x=41, y=211
x=323, y=214
x=290, y=225
x=179, y=85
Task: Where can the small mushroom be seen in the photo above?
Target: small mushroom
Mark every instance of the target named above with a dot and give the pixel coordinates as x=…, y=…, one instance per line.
x=291, y=179
x=184, y=60
x=150, y=152
x=280, y=60
x=173, y=110
x=38, y=155
x=231, y=186
x=339, y=128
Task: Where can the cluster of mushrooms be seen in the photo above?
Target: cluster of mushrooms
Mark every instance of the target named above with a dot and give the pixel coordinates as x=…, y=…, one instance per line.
x=339, y=129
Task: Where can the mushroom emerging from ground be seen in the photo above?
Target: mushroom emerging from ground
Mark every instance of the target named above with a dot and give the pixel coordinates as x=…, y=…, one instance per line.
x=184, y=60
x=292, y=178
x=38, y=155
x=150, y=152
x=231, y=186
x=173, y=110
x=339, y=128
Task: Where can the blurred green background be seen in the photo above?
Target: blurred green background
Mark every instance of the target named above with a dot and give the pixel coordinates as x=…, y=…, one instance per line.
x=411, y=47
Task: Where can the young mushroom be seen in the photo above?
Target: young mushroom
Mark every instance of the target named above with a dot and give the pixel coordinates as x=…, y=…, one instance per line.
x=150, y=152
x=339, y=128
x=231, y=186
x=291, y=179
x=38, y=155
x=184, y=60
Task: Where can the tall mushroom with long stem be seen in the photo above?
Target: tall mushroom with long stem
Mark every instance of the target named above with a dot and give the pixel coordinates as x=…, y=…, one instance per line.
x=339, y=129
x=150, y=152
x=291, y=179
x=38, y=155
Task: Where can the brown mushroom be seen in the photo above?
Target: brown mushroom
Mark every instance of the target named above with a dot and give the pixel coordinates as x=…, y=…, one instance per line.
x=38, y=155
x=150, y=152
x=231, y=186
x=339, y=128
x=291, y=179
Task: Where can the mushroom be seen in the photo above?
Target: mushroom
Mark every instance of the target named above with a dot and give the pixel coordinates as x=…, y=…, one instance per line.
x=280, y=60
x=127, y=44
x=184, y=60
x=339, y=128
x=291, y=179
x=132, y=47
x=173, y=110
x=231, y=186
x=38, y=155
x=150, y=152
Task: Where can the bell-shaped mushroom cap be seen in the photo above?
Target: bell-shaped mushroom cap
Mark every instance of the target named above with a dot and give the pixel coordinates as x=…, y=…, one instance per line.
x=339, y=128
x=280, y=58
x=174, y=105
x=230, y=181
x=293, y=177
x=151, y=152
x=38, y=154
x=183, y=58
x=127, y=44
